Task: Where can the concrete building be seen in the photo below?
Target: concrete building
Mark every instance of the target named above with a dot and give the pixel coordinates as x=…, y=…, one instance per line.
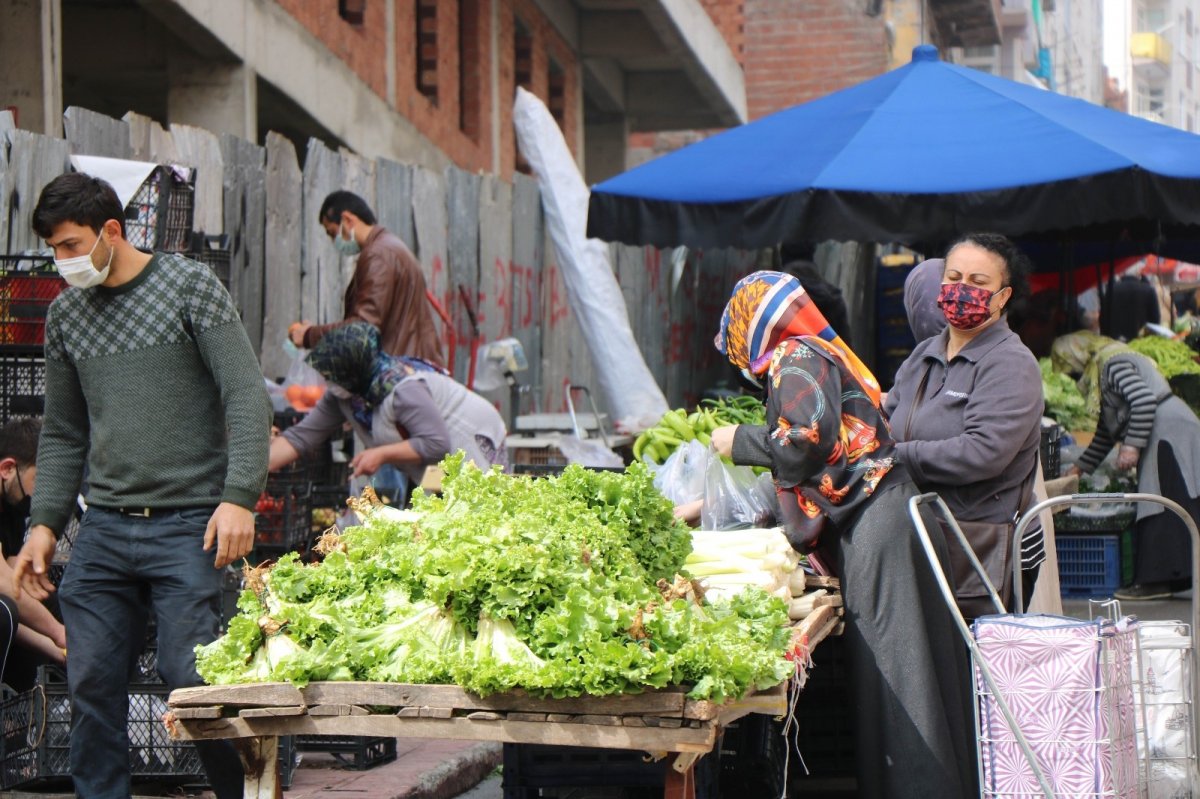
x=423, y=81
x=1157, y=58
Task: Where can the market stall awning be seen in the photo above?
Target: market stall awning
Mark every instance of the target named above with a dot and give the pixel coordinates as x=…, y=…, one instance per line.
x=917, y=156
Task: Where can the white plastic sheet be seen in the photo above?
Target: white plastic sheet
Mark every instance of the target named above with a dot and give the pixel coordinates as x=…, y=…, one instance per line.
x=632, y=394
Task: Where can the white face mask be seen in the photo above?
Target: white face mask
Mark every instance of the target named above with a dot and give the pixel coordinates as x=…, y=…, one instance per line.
x=80, y=272
x=347, y=246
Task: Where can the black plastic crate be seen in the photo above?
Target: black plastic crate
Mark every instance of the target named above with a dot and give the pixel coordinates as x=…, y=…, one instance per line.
x=539, y=770
x=159, y=216
x=828, y=747
x=28, y=284
x=214, y=252
x=357, y=753
x=35, y=747
x=22, y=382
x=283, y=522
x=1051, y=451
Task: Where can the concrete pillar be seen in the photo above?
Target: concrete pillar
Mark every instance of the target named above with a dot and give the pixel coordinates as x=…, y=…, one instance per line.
x=604, y=147
x=219, y=96
x=31, y=63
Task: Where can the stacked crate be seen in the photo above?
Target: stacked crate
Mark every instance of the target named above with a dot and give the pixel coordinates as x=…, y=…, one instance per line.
x=893, y=338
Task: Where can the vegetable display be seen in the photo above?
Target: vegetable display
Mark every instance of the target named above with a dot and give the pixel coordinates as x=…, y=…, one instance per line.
x=1064, y=403
x=1172, y=357
x=678, y=426
x=561, y=586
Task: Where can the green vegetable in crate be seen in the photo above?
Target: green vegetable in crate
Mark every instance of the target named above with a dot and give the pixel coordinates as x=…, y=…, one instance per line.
x=1172, y=357
x=677, y=427
x=1064, y=403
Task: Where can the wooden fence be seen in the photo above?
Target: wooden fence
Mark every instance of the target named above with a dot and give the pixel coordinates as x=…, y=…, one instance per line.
x=480, y=240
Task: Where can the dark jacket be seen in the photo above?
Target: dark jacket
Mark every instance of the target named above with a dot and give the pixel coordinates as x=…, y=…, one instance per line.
x=974, y=435
x=388, y=291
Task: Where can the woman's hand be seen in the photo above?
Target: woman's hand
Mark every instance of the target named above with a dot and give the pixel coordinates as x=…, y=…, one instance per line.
x=1127, y=457
x=722, y=440
x=369, y=461
x=1074, y=471
x=689, y=512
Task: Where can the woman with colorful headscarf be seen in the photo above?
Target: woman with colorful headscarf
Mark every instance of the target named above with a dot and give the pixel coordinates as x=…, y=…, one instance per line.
x=409, y=412
x=1159, y=434
x=844, y=501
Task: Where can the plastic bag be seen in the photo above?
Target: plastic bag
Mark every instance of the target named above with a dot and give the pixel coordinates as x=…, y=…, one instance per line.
x=735, y=497
x=588, y=453
x=681, y=476
x=303, y=386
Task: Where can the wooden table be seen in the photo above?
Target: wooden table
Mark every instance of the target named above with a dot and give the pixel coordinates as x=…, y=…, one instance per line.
x=660, y=722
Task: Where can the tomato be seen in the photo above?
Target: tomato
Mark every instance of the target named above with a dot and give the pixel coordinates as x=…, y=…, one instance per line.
x=312, y=394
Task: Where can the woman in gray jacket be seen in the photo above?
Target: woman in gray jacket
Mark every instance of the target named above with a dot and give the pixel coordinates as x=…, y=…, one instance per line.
x=408, y=412
x=966, y=406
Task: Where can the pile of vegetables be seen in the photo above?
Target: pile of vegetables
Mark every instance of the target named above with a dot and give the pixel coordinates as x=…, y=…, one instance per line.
x=678, y=426
x=561, y=586
x=725, y=562
x=1064, y=403
x=1172, y=357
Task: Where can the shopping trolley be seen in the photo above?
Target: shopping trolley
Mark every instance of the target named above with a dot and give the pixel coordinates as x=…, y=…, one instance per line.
x=1117, y=643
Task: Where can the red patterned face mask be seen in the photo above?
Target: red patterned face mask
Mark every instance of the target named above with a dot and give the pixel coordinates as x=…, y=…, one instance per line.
x=965, y=307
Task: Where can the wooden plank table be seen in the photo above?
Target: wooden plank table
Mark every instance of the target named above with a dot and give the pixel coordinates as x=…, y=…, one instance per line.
x=661, y=722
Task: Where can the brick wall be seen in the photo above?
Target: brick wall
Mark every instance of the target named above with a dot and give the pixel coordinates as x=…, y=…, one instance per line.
x=460, y=118
x=791, y=52
x=797, y=52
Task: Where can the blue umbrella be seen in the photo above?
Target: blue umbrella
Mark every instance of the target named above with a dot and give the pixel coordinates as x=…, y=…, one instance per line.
x=918, y=156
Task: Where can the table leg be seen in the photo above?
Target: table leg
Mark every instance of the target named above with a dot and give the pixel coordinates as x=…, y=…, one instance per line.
x=260, y=761
x=680, y=784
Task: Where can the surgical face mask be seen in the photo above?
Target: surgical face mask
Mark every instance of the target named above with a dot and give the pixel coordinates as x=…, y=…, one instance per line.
x=80, y=272
x=346, y=246
x=965, y=307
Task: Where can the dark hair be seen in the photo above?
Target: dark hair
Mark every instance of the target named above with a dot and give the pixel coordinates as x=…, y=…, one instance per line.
x=79, y=198
x=19, y=440
x=339, y=202
x=1016, y=264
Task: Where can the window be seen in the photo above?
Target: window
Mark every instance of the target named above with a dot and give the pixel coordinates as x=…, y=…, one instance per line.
x=556, y=100
x=427, y=49
x=470, y=81
x=523, y=77
x=352, y=11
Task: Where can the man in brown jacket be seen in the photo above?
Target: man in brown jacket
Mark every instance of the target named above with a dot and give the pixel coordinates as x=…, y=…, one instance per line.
x=387, y=289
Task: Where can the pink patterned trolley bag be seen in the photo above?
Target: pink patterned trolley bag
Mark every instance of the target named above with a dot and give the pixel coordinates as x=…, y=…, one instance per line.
x=1069, y=685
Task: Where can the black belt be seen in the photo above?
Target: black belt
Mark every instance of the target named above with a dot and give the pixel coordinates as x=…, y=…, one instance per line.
x=143, y=513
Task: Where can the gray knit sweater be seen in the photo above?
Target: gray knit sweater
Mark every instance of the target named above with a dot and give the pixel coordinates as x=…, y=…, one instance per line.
x=156, y=385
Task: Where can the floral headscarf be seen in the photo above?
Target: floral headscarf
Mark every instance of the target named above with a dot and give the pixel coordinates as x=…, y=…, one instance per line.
x=766, y=308
x=1085, y=353
x=350, y=356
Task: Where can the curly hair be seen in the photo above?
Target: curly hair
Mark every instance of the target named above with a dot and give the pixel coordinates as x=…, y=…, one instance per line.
x=1016, y=264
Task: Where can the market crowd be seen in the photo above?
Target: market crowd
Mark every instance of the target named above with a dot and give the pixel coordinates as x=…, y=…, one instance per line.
x=155, y=402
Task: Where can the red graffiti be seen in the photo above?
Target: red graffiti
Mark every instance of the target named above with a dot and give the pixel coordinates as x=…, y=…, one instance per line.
x=503, y=289
x=525, y=290
x=559, y=310
x=653, y=268
x=681, y=342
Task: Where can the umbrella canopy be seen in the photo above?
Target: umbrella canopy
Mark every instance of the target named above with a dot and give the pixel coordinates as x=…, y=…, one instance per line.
x=918, y=156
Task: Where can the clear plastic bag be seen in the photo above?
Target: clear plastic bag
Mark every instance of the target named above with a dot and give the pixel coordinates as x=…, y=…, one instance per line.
x=588, y=453
x=735, y=497
x=681, y=476
x=303, y=386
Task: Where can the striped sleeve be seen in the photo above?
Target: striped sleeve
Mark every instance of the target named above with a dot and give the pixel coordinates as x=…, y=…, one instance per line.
x=1123, y=378
x=1101, y=444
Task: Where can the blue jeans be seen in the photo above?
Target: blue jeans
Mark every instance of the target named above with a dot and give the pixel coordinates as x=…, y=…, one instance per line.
x=121, y=566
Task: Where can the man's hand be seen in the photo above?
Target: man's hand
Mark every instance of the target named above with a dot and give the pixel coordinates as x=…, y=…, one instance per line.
x=232, y=529
x=368, y=461
x=296, y=332
x=1127, y=457
x=722, y=440
x=30, y=570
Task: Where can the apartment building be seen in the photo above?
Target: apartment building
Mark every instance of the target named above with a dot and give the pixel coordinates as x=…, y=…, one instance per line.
x=423, y=81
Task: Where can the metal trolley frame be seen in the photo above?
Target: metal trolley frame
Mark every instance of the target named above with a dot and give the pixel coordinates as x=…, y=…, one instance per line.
x=939, y=506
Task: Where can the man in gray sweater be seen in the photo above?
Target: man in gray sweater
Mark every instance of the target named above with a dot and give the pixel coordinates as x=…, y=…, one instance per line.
x=150, y=379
